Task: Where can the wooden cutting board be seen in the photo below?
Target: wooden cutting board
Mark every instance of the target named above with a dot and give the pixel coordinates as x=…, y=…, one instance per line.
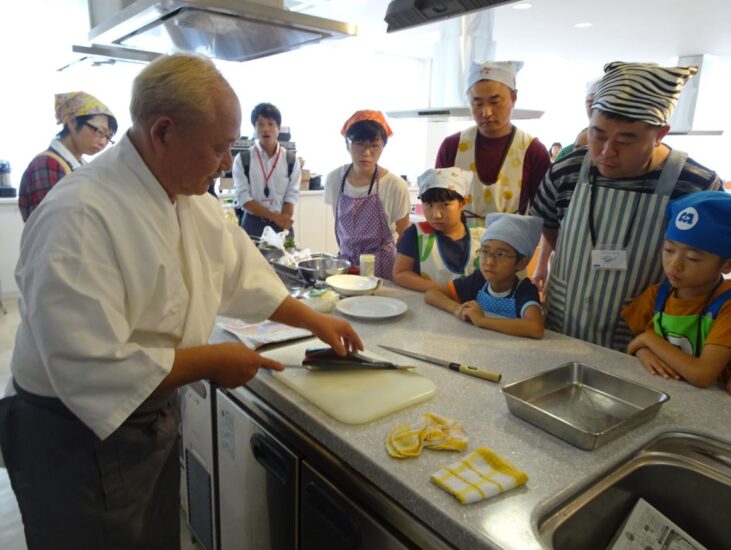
x=352, y=397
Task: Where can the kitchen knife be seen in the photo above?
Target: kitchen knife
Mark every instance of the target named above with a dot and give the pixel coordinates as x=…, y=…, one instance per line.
x=464, y=369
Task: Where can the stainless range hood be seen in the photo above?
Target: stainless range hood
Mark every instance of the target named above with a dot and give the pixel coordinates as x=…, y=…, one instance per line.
x=231, y=30
x=691, y=116
x=461, y=40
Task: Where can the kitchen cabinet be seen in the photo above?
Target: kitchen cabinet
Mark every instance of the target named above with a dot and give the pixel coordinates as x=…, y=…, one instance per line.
x=197, y=461
x=278, y=489
x=314, y=222
x=330, y=519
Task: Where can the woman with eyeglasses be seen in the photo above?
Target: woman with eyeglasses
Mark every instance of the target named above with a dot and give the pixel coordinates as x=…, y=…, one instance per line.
x=88, y=126
x=371, y=204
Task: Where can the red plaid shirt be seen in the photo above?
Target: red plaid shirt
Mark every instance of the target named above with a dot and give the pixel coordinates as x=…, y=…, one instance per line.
x=42, y=173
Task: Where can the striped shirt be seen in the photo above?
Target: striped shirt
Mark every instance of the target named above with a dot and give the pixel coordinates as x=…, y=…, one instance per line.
x=554, y=194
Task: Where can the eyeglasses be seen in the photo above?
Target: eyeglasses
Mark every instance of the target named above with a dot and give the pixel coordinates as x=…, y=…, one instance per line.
x=100, y=133
x=498, y=256
x=361, y=146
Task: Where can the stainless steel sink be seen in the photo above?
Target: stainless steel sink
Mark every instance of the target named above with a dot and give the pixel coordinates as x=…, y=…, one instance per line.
x=686, y=477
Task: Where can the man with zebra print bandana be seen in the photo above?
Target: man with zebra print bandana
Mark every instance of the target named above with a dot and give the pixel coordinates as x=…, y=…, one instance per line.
x=603, y=207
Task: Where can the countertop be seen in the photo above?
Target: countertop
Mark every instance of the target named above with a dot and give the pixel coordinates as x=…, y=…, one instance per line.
x=554, y=468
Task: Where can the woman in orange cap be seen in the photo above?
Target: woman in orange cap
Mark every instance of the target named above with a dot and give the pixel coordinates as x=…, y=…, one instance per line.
x=88, y=126
x=371, y=205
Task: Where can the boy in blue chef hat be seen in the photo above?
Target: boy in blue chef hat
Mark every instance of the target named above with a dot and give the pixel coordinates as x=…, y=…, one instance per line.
x=683, y=325
x=495, y=297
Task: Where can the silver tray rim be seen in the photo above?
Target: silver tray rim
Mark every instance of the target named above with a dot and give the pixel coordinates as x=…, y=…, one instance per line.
x=598, y=438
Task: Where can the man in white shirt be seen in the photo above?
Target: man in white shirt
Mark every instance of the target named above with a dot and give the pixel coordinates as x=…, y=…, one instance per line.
x=266, y=177
x=122, y=271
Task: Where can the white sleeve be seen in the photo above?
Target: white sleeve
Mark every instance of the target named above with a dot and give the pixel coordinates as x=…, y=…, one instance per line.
x=242, y=187
x=293, y=188
x=252, y=290
x=399, y=199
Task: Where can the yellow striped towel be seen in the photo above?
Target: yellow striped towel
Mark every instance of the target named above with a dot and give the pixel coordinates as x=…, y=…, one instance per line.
x=431, y=431
x=481, y=474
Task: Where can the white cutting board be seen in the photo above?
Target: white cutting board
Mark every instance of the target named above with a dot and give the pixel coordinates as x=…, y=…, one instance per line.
x=352, y=397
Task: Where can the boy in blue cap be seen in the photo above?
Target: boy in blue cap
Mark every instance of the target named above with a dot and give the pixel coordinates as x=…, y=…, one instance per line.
x=495, y=297
x=683, y=325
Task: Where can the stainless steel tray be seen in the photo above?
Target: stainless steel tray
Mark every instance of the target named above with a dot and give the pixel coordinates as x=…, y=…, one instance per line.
x=582, y=405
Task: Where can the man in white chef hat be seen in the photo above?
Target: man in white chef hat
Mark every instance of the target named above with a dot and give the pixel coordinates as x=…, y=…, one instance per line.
x=122, y=271
x=607, y=203
x=508, y=163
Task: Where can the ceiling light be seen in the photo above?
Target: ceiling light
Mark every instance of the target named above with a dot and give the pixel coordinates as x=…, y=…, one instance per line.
x=522, y=6
x=585, y=25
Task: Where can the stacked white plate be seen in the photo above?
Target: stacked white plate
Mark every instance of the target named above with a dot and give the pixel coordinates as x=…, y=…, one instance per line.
x=371, y=307
x=353, y=285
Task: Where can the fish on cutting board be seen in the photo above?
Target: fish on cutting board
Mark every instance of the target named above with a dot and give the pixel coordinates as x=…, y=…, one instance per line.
x=351, y=396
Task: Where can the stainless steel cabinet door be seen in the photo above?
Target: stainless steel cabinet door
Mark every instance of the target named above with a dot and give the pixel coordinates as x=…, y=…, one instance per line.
x=329, y=519
x=258, y=483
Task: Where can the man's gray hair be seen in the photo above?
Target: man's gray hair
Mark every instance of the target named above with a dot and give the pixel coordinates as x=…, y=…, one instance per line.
x=178, y=86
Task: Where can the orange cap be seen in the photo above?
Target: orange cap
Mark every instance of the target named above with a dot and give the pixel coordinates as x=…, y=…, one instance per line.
x=358, y=116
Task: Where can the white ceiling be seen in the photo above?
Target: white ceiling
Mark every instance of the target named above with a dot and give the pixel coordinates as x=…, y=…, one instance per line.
x=636, y=30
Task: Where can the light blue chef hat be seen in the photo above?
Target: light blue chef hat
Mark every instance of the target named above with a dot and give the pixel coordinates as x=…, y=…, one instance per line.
x=499, y=71
x=520, y=232
x=454, y=178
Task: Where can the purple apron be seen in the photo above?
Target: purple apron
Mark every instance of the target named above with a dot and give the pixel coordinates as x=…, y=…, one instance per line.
x=361, y=228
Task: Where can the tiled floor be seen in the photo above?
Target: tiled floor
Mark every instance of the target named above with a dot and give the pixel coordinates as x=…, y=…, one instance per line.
x=11, y=527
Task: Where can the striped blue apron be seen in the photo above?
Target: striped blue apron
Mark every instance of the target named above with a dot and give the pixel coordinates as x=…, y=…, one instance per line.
x=584, y=302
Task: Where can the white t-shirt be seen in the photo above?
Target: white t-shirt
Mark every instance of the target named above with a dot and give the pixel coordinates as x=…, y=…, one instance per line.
x=114, y=278
x=393, y=192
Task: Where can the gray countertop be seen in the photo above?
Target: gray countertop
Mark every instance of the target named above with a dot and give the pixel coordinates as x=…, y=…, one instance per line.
x=554, y=467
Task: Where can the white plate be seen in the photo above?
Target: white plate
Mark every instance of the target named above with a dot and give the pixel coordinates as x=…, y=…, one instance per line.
x=371, y=307
x=353, y=285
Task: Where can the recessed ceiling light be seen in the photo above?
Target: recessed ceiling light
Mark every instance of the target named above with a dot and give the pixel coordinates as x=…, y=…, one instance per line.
x=522, y=6
x=585, y=25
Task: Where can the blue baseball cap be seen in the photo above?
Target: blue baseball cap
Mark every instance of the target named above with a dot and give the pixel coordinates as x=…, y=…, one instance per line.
x=702, y=220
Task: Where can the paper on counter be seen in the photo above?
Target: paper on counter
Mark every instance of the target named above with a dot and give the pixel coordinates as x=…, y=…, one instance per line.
x=257, y=335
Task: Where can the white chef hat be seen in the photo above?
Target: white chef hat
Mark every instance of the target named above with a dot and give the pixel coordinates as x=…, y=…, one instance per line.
x=499, y=71
x=454, y=178
x=520, y=232
x=642, y=91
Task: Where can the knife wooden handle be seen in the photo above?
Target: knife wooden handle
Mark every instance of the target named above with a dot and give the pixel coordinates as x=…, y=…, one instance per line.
x=479, y=373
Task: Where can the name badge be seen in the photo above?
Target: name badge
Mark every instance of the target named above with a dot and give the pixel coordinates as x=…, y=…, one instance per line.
x=266, y=202
x=609, y=259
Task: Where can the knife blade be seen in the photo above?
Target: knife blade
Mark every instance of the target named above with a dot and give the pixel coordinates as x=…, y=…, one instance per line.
x=459, y=367
x=326, y=359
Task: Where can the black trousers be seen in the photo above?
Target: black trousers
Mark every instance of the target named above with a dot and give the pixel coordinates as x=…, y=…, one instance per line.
x=78, y=492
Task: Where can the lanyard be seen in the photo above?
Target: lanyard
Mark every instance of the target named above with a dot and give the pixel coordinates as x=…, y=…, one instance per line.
x=592, y=226
x=373, y=179
x=699, y=320
x=268, y=176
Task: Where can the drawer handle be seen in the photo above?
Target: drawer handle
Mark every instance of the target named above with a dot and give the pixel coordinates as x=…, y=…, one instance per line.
x=273, y=461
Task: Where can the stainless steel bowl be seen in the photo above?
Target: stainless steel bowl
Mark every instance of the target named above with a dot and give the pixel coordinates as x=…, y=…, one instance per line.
x=318, y=269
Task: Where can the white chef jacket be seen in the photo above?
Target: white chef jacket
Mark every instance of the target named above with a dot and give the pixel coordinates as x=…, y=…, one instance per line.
x=114, y=277
x=282, y=188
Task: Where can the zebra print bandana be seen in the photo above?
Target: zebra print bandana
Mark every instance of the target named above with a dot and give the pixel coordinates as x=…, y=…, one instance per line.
x=643, y=91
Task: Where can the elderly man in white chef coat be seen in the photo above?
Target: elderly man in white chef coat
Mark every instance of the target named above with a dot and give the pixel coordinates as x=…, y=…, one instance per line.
x=122, y=271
